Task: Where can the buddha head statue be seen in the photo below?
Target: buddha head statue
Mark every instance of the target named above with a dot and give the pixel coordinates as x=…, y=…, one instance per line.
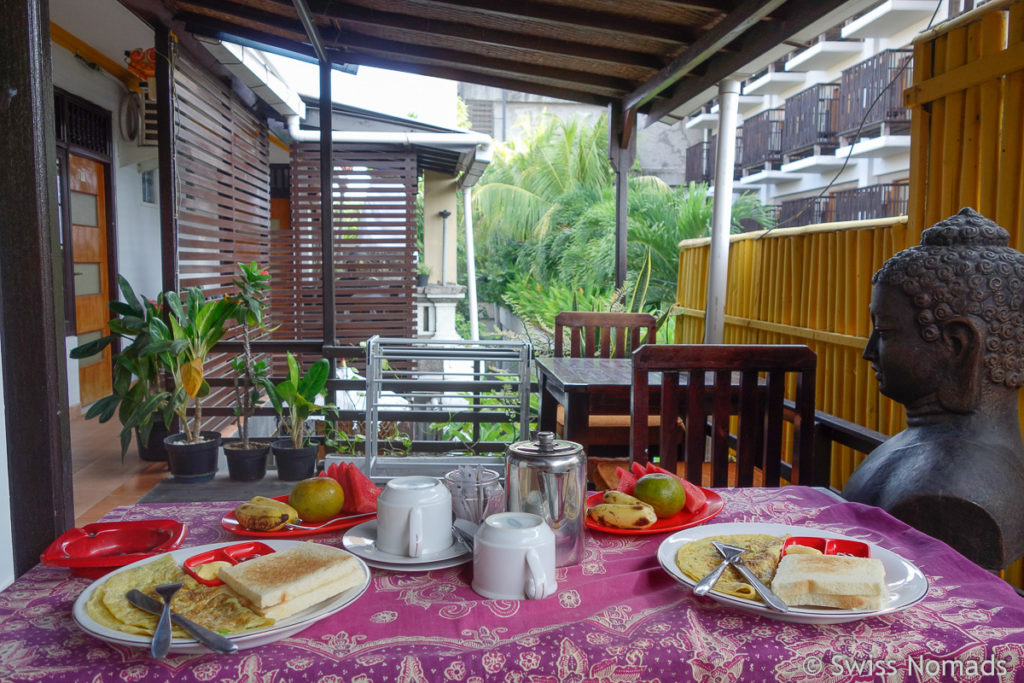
x=948, y=317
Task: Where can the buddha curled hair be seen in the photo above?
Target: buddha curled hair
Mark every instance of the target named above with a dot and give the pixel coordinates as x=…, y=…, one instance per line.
x=964, y=266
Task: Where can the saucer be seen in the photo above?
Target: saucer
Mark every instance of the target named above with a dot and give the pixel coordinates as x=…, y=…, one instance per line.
x=361, y=540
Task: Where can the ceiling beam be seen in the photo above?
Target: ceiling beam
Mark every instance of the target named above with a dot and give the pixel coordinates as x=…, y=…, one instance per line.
x=302, y=9
x=796, y=16
x=555, y=15
x=745, y=17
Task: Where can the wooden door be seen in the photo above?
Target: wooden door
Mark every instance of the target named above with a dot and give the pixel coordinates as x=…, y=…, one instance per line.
x=88, y=203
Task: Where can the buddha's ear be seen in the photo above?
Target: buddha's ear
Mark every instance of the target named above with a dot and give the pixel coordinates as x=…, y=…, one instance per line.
x=960, y=389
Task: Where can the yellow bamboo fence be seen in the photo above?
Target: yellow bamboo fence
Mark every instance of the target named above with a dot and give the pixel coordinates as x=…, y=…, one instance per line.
x=812, y=285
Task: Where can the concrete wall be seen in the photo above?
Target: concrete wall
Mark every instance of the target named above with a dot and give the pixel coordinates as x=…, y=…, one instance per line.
x=439, y=194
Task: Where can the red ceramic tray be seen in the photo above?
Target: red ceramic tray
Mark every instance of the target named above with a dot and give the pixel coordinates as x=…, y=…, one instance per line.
x=95, y=549
x=230, y=523
x=233, y=554
x=680, y=520
x=829, y=546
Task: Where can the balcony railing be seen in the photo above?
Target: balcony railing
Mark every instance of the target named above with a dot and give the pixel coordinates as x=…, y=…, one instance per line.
x=811, y=120
x=861, y=84
x=699, y=163
x=806, y=211
x=874, y=201
x=762, y=139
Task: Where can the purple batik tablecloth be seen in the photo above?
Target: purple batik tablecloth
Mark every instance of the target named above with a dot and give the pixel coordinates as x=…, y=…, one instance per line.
x=616, y=617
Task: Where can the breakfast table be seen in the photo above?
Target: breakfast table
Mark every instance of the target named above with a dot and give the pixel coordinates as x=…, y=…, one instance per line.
x=616, y=616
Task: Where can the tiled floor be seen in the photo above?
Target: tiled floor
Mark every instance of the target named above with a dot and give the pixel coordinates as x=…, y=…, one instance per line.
x=101, y=481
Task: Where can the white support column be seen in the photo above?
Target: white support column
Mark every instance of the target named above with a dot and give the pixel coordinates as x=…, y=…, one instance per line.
x=467, y=217
x=721, y=220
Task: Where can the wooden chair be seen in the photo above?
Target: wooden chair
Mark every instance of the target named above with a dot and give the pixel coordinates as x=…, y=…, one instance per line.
x=602, y=335
x=709, y=385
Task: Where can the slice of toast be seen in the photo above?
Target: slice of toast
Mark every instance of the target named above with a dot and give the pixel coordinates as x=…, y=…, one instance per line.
x=287, y=574
x=831, y=581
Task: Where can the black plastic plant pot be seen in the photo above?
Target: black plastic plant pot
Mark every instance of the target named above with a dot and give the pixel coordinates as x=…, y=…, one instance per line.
x=153, y=450
x=246, y=464
x=193, y=462
x=294, y=464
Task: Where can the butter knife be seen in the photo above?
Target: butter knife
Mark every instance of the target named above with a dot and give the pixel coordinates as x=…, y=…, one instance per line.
x=210, y=639
x=733, y=555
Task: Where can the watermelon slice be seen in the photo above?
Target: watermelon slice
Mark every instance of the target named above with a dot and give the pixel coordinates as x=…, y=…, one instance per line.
x=652, y=468
x=361, y=491
x=627, y=482
x=637, y=469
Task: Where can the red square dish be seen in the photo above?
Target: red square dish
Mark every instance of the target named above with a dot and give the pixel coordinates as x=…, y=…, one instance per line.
x=232, y=554
x=95, y=549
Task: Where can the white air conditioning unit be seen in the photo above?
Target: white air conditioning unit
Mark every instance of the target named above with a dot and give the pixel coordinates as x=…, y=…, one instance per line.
x=137, y=120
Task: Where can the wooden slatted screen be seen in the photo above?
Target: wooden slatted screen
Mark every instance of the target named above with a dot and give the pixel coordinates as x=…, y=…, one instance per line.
x=374, y=199
x=222, y=181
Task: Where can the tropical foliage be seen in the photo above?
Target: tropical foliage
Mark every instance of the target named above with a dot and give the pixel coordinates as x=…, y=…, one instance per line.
x=544, y=217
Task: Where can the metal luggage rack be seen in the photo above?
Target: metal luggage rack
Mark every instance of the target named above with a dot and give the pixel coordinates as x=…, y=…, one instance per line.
x=426, y=381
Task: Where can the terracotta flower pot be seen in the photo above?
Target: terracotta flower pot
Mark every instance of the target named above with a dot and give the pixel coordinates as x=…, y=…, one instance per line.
x=193, y=462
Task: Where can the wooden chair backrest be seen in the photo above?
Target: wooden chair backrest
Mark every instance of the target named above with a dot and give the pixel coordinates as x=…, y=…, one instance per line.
x=602, y=334
x=743, y=382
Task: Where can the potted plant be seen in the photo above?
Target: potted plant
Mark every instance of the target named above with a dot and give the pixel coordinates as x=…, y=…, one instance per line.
x=422, y=273
x=247, y=458
x=138, y=397
x=294, y=400
x=182, y=349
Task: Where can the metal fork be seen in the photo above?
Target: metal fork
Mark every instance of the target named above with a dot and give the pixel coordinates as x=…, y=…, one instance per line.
x=733, y=555
x=162, y=635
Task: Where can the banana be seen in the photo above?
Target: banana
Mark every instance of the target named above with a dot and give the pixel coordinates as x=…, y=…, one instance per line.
x=265, y=514
x=623, y=516
x=619, y=498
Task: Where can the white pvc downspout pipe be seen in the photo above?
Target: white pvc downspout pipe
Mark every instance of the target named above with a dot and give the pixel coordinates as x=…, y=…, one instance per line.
x=721, y=217
x=467, y=214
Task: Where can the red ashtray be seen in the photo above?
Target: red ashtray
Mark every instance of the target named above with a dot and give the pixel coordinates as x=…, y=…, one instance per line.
x=232, y=554
x=95, y=549
x=829, y=546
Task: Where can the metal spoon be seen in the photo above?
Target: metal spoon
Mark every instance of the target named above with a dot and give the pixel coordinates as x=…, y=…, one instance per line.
x=291, y=525
x=162, y=635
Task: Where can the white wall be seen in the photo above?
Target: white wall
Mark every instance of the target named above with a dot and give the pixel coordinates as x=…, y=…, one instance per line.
x=6, y=537
x=137, y=224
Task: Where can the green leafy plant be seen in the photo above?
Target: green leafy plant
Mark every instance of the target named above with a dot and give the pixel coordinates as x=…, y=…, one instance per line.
x=183, y=347
x=138, y=398
x=250, y=373
x=294, y=398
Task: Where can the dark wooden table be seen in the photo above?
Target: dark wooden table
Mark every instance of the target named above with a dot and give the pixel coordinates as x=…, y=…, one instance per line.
x=583, y=387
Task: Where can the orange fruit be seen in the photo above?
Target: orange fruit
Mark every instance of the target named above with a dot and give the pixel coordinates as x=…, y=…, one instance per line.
x=317, y=499
x=663, y=492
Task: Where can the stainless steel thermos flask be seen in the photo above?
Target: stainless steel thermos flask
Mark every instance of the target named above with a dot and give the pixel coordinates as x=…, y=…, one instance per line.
x=548, y=477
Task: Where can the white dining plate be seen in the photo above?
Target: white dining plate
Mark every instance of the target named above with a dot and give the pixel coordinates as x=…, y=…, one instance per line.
x=361, y=540
x=281, y=629
x=907, y=585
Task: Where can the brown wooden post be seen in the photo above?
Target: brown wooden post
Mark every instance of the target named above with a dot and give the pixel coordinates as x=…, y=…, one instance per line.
x=35, y=394
x=165, y=159
x=621, y=152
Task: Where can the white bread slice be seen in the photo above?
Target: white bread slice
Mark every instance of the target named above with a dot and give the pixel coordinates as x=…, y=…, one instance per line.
x=286, y=574
x=353, y=577
x=831, y=581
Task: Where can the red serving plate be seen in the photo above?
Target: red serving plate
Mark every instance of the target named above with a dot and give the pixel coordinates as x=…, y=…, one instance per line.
x=230, y=523
x=680, y=520
x=233, y=554
x=829, y=546
x=95, y=549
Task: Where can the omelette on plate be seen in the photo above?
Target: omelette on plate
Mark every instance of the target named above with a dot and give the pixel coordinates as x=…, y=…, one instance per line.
x=211, y=606
x=697, y=559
